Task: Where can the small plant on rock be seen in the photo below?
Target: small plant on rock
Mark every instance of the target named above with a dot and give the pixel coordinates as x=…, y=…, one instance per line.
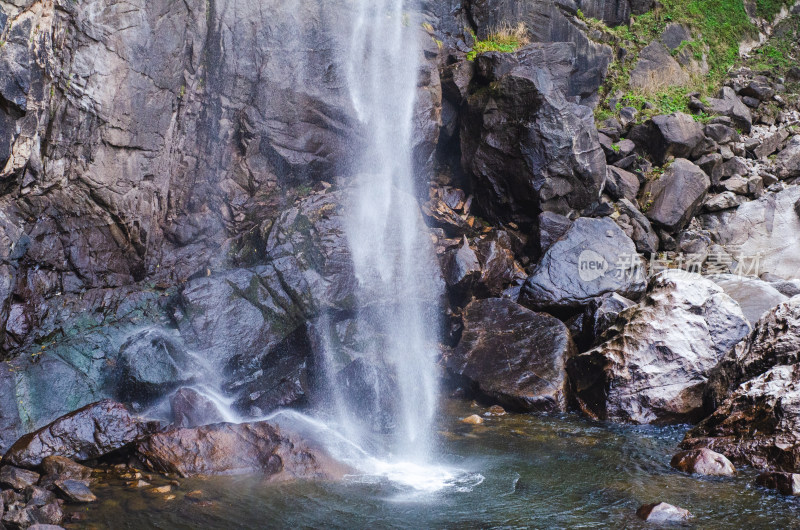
x=505, y=39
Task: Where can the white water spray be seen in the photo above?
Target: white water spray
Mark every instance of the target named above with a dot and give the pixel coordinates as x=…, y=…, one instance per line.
x=392, y=255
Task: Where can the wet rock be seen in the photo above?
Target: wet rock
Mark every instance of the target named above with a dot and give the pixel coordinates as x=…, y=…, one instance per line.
x=728, y=104
x=37, y=496
x=75, y=491
x=191, y=409
x=19, y=516
x=663, y=513
x=500, y=272
x=236, y=449
x=17, y=478
x=637, y=227
x=677, y=195
x=785, y=483
x=605, y=310
x=775, y=340
x=592, y=258
x=49, y=514
x=152, y=362
x=526, y=147
x=472, y=420
x=551, y=227
x=764, y=235
x=461, y=267
x=758, y=423
x=89, y=432
x=65, y=468
x=654, y=363
x=703, y=462
x=513, y=356
x=754, y=296
x=787, y=163
x=621, y=184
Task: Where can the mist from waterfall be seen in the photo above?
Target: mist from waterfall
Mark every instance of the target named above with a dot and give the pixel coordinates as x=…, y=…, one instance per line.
x=392, y=256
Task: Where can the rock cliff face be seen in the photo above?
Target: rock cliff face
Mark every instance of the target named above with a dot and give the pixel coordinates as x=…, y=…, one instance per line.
x=173, y=179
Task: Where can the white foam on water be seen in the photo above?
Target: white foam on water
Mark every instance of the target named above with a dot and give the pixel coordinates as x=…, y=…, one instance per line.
x=410, y=477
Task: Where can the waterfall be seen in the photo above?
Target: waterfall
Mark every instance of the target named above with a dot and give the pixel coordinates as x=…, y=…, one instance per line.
x=394, y=264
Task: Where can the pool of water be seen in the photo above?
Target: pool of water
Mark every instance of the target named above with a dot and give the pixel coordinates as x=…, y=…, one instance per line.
x=513, y=471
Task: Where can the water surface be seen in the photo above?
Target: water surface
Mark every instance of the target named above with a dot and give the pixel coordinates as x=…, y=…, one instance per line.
x=522, y=471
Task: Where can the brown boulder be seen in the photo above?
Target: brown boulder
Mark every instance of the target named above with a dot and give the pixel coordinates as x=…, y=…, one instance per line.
x=703, y=462
x=513, y=355
x=785, y=483
x=237, y=449
x=90, y=432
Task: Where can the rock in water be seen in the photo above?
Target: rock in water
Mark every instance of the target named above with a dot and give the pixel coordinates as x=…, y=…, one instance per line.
x=785, y=483
x=654, y=365
x=89, y=432
x=661, y=513
x=703, y=462
x=472, y=420
x=775, y=340
x=513, y=355
x=592, y=258
x=75, y=491
x=759, y=424
x=191, y=409
x=236, y=449
x=65, y=468
x=677, y=195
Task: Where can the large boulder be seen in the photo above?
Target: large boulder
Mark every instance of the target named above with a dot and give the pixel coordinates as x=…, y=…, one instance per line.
x=655, y=363
x=237, y=449
x=764, y=235
x=775, y=340
x=675, y=197
x=513, y=356
x=90, y=432
x=758, y=424
x=675, y=135
x=756, y=297
x=525, y=145
x=592, y=258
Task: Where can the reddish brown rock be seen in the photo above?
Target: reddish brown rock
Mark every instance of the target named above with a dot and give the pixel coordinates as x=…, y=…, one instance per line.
x=785, y=483
x=89, y=432
x=236, y=449
x=703, y=462
x=661, y=512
